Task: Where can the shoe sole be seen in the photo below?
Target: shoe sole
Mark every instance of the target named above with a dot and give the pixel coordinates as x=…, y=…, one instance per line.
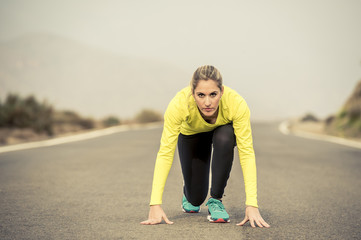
x=219, y=220
x=190, y=211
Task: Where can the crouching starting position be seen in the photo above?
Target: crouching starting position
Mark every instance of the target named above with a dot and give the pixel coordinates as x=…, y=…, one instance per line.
x=205, y=116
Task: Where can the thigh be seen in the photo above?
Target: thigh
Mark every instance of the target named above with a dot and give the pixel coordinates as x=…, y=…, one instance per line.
x=194, y=148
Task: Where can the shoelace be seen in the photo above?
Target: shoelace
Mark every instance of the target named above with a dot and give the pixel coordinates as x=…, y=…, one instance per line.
x=216, y=206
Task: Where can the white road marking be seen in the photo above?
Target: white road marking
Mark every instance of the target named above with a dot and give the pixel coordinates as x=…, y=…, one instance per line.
x=284, y=128
x=78, y=137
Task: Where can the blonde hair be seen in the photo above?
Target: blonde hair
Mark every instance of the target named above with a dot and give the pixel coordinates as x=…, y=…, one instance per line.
x=205, y=73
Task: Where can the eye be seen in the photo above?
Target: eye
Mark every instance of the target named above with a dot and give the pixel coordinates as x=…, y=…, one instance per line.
x=213, y=94
x=201, y=95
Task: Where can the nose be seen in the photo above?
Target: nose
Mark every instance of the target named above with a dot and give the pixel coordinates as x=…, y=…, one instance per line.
x=207, y=102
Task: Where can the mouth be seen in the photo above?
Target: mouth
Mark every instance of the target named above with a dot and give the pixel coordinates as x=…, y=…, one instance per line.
x=208, y=109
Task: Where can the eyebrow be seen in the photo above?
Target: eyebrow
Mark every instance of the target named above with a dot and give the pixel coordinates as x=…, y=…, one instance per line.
x=205, y=94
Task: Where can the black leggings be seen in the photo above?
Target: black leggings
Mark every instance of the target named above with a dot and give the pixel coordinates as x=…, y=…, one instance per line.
x=195, y=157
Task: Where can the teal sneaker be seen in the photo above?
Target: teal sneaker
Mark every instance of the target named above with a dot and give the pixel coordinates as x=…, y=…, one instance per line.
x=188, y=207
x=217, y=212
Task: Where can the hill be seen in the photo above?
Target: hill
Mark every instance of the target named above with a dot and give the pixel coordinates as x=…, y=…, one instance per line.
x=347, y=123
x=94, y=82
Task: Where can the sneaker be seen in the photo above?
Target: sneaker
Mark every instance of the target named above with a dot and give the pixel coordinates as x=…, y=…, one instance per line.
x=188, y=207
x=217, y=212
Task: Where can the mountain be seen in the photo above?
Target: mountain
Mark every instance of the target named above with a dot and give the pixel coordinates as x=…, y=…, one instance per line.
x=347, y=122
x=74, y=76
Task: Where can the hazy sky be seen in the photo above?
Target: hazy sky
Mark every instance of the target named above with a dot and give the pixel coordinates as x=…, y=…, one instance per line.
x=285, y=57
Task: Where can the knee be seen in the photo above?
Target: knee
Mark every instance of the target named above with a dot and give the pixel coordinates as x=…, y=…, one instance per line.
x=196, y=201
x=224, y=136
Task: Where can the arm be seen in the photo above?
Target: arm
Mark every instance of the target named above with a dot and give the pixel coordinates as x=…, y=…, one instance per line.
x=171, y=130
x=165, y=156
x=243, y=132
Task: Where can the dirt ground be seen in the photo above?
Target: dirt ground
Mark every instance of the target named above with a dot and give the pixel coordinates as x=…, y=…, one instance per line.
x=314, y=127
x=10, y=136
x=308, y=126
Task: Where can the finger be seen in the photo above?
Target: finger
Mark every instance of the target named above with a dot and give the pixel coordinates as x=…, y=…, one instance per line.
x=243, y=222
x=259, y=224
x=150, y=222
x=167, y=220
x=145, y=222
x=252, y=223
x=265, y=223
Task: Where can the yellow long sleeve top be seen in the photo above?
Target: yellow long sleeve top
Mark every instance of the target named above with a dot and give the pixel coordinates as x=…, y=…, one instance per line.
x=182, y=116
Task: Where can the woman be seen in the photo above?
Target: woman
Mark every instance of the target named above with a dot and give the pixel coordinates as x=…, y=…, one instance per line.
x=203, y=116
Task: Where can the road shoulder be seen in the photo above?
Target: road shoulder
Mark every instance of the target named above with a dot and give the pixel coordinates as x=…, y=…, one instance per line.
x=314, y=130
x=78, y=137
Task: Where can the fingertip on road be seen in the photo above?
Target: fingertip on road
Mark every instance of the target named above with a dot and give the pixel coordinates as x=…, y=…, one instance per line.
x=284, y=128
x=79, y=137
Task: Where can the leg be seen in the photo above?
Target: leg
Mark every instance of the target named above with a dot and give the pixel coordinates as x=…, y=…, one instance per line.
x=195, y=154
x=223, y=147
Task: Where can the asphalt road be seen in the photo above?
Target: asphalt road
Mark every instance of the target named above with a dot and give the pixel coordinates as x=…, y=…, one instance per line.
x=100, y=189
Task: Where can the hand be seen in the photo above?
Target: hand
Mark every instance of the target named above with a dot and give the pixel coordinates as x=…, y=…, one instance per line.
x=156, y=214
x=252, y=215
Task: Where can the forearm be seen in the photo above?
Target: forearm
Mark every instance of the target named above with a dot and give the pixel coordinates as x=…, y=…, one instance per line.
x=250, y=180
x=160, y=176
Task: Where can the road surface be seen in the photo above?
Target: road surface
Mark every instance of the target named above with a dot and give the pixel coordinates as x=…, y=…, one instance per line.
x=100, y=189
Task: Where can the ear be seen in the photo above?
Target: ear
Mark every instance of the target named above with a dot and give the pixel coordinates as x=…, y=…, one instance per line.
x=222, y=91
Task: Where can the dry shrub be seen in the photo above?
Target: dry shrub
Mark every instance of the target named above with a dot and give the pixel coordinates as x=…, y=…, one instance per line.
x=111, y=121
x=28, y=112
x=347, y=123
x=148, y=115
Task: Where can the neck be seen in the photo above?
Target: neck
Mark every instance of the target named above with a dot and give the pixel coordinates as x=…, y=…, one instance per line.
x=210, y=119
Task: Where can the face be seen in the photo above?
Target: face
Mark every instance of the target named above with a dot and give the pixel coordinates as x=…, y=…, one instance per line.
x=207, y=95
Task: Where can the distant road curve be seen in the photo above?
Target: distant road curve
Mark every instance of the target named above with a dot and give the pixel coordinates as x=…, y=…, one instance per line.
x=79, y=137
x=284, y=128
